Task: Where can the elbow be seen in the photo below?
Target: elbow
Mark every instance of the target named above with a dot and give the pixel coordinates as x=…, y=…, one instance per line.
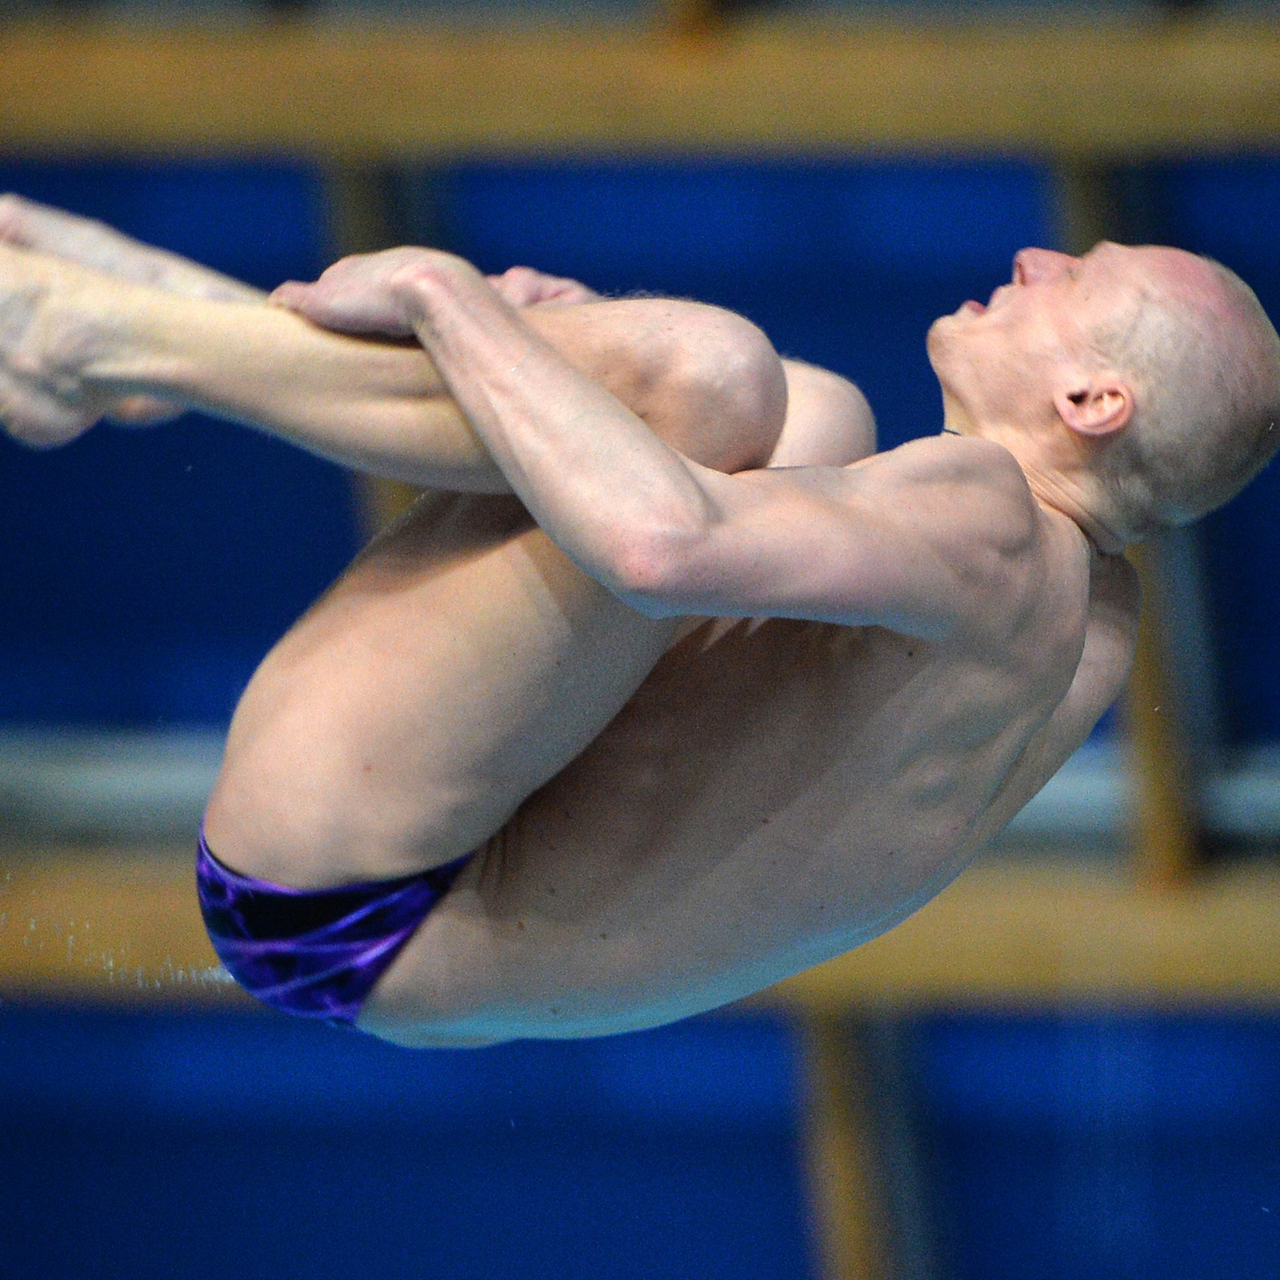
x=653, y=573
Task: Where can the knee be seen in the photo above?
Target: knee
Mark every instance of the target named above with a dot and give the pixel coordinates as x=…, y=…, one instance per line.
x=720, y=393
x=706, y=381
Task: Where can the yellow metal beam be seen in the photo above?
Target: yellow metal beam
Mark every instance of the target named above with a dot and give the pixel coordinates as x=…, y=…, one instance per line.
x=847, y=1195
x=1165, y=828
x=105, y=927
x=790, y=87
x=1050, y=934
x=101, y=926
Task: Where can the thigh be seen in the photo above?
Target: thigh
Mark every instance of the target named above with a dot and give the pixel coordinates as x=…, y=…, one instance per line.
x=457, y=665
x=655, y=875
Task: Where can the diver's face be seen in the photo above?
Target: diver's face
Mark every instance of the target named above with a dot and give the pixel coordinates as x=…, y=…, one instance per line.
x=1002, y=359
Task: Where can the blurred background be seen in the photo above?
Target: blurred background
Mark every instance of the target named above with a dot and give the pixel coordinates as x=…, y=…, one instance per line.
x=1067, y=1068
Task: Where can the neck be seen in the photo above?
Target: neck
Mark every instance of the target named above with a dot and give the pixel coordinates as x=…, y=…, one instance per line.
x=1055, y=494
x=1053, y=489
x=955, y=418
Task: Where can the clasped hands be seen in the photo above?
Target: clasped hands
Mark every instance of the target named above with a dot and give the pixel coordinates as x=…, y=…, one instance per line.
x=376, y=293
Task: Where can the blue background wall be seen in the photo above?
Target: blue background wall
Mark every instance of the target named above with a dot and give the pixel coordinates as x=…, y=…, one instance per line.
x=254, y=1147
x=142, y=574
x=1109, y=1148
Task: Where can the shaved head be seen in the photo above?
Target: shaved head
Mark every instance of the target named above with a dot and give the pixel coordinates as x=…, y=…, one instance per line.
x=1205, y=363
x=1140, y=383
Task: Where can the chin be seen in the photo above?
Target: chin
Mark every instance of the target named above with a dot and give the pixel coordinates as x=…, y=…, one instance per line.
x=937, y=342
x=954, y=372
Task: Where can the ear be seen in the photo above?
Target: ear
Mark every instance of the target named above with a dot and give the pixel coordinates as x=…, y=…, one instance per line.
x=1098, y=406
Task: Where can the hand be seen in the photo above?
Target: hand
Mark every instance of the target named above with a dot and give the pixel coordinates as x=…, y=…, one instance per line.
x=367, y=293
x=525, y=287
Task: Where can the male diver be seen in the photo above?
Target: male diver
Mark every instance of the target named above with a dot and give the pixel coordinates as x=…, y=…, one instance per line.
x=668, y=687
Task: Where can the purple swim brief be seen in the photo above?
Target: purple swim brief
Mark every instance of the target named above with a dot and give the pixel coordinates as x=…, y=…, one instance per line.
x=316, y=953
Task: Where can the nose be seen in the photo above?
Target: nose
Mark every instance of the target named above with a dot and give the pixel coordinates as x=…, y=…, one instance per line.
x=1033, y=265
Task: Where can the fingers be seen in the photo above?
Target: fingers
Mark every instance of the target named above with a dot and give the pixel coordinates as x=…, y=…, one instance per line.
x=525, y=287
x=293, y=295
x=519, y=286
x=346, y=307
x=361, y=294
x=375, y=293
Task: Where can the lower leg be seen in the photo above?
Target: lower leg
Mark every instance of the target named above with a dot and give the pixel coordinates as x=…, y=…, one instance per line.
x=78, y=343
x=43, y=229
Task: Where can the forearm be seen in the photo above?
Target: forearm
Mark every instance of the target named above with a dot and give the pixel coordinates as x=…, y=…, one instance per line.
x=598, y=480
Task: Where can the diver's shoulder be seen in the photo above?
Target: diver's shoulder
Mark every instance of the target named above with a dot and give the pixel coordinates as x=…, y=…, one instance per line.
x=979, y=484
x=964, y=460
